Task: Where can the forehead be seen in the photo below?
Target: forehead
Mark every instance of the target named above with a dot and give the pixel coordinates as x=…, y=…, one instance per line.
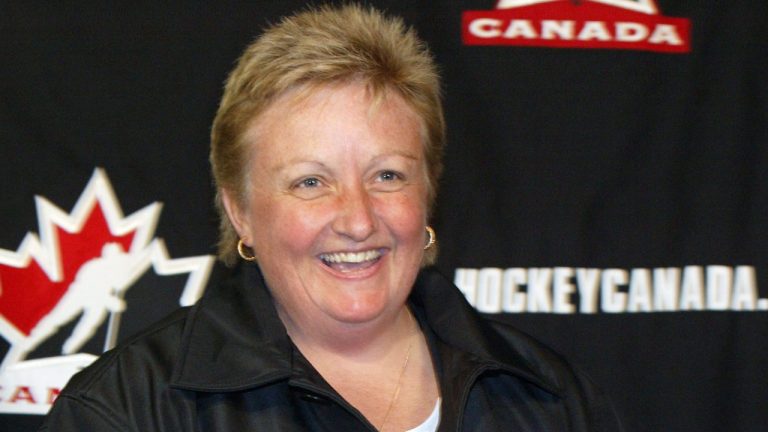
x=334, y=111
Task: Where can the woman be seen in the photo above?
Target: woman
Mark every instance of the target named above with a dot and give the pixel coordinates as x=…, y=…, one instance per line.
x=326, y=152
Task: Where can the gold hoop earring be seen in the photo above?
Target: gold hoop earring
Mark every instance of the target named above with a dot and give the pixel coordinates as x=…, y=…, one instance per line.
x=432, y=237
x=241, y=251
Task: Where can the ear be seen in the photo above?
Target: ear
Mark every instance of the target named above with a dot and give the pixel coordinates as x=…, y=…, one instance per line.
x=236, y=215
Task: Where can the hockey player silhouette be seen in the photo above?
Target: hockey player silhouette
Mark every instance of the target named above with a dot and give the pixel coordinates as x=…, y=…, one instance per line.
x=97, y=290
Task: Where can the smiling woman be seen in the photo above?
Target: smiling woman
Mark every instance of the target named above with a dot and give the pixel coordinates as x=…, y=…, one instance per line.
x=326, y=152
x=336, y=208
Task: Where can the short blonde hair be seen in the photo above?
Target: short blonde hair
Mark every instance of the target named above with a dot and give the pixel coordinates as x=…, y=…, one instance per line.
x=319, y=46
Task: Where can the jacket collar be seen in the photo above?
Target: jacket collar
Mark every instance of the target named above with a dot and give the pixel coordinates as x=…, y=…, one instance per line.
x=456, y=324
x=233, y=338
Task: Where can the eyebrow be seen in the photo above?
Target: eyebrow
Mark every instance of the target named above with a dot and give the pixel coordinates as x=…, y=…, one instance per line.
x=403, y=154
x=297, y=161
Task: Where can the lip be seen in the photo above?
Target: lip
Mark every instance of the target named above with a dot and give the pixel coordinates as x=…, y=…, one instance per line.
x=352, y=257
x=364, y=270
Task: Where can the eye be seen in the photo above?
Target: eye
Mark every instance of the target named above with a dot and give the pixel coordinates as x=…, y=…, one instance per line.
x=309, y=187
x=389, y=176
x=309, y=182
x=389, y=181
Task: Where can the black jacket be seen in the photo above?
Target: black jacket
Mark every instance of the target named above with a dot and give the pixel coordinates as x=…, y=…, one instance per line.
x=227, y=364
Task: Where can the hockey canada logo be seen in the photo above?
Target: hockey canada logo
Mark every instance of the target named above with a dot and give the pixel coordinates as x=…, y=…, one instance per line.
x=612, y=24
x=73, y=279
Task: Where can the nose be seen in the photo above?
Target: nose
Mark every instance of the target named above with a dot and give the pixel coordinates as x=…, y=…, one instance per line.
x=356, y=218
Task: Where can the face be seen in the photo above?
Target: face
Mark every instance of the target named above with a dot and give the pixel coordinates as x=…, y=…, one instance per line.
x=336, y=204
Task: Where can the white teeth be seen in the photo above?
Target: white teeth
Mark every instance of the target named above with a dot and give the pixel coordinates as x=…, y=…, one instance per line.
x=350, y=257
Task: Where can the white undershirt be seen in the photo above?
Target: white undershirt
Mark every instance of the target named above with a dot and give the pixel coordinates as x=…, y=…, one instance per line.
x=430, y=424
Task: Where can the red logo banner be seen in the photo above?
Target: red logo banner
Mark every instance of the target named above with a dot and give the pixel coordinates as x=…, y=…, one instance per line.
x=569, y=24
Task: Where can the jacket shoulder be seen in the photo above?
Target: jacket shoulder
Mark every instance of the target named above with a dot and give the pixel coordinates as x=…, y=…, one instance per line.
x=152, y=350
x=123, y=382
x=538, y=356
x=587, y=402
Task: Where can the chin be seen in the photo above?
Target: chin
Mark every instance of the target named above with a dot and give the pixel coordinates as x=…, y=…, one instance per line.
x=360, y=310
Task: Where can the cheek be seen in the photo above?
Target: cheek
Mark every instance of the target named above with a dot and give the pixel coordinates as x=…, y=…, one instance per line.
x=282, y=229
x=406, y=216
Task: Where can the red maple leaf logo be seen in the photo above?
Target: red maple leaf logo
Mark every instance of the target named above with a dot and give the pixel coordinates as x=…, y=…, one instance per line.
x=29, y=294
x=35, y=279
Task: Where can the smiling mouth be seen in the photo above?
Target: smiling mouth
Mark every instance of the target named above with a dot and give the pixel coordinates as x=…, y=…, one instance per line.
x=351, y=261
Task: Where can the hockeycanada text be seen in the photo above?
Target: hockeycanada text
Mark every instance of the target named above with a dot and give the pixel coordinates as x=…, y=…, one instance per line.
x=568, y=290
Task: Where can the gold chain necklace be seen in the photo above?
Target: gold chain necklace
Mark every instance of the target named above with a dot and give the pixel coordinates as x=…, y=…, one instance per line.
x=399, y=381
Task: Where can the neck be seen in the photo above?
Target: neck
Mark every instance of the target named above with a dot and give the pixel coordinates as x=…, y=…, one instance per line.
x=385, y=371
x=389, y=379
x=363, y=342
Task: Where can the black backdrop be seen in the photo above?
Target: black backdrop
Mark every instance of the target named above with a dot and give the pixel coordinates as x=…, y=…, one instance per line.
x=563, y=164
